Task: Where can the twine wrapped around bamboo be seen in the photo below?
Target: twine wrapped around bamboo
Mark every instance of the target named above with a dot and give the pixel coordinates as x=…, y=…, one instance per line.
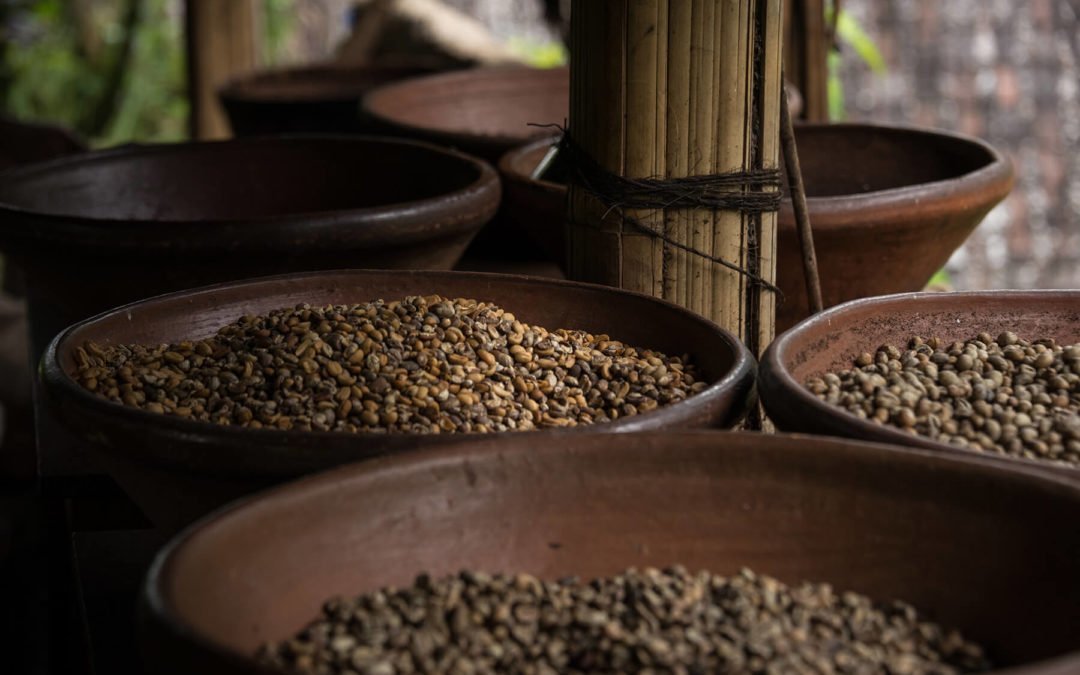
x=678, y=89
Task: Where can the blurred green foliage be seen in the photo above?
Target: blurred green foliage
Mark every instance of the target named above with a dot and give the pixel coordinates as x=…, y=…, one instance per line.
x=51, y=77
x=540, y=54
x=851, y=35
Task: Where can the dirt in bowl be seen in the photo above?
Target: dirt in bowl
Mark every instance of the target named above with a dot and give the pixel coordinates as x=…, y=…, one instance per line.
x=418, y=365
x=647, y=621
x=1004, y=395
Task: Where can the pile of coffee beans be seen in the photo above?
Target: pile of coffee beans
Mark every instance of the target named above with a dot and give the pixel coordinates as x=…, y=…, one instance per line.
x=418, y=365
x=646, y=621
x=1004, y=395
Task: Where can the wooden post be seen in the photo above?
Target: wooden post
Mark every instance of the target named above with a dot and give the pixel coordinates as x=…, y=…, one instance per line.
x=222, y=42
x=672, y=89
x=806, y=55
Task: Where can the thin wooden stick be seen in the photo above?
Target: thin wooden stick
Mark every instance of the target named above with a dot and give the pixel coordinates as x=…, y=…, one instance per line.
x=798, y=202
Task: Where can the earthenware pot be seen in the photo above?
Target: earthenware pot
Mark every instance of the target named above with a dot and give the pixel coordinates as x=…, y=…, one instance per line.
x=888, y=206
x=177, y=470
x=978, y=547
x=107, y=228
x=833, y=340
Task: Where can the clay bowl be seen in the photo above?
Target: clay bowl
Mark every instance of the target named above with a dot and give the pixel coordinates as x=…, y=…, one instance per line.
x=177, y=470
x=22, y=143
x=888, y=205
x=834, y=338
x=535, y=207
x=888, y=522
x=322, y=98
x=484, y=112
x=481, y=111
x=107, y=228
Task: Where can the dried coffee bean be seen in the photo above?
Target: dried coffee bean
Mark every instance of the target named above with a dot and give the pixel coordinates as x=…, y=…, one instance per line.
x=646, y=621
x=417, y=365
x=1008, y=396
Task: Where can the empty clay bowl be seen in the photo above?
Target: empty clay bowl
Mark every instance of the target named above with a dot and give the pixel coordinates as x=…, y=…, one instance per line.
x=978, y=547
x=107, y=228
x=177, y=470
x=482, y=111
x=321, y=98
x=888, y=206
x=833, y=339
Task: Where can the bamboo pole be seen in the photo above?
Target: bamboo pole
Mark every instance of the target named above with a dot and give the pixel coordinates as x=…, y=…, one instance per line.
x=808, y=40
x=673, y=89
x=222, y=42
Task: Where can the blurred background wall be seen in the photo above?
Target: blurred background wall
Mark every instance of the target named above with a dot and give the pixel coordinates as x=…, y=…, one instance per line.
x=1005, y=71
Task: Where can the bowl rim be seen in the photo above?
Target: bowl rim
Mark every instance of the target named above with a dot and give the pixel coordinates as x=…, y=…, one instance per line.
x=245, y=89
x=65, y=230
x=996, y=177
x=374, y=101
x=776, y=381
x=737, y=381
x=156, y=606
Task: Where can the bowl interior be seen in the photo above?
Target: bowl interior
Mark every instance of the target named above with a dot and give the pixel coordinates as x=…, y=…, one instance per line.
x=833, y=341
x=488, y=102
x=239, y=180
x=850, y=159
x=889, y=523
x=635, y=319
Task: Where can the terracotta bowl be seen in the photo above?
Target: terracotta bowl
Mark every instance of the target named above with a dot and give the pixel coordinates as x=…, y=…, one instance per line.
x=887, y=522
x=322, y=98
x=833, y=339
x=22, y=143
x=888, y=205
x=482, y=111
x=177, y=470
x=107, y=228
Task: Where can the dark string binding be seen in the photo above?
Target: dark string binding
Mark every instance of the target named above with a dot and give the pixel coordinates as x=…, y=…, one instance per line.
x=748, y=192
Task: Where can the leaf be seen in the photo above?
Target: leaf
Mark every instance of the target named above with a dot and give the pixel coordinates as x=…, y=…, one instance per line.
x=849, y=31
x=539, y=54
x=941, y=279
x=836, y=88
